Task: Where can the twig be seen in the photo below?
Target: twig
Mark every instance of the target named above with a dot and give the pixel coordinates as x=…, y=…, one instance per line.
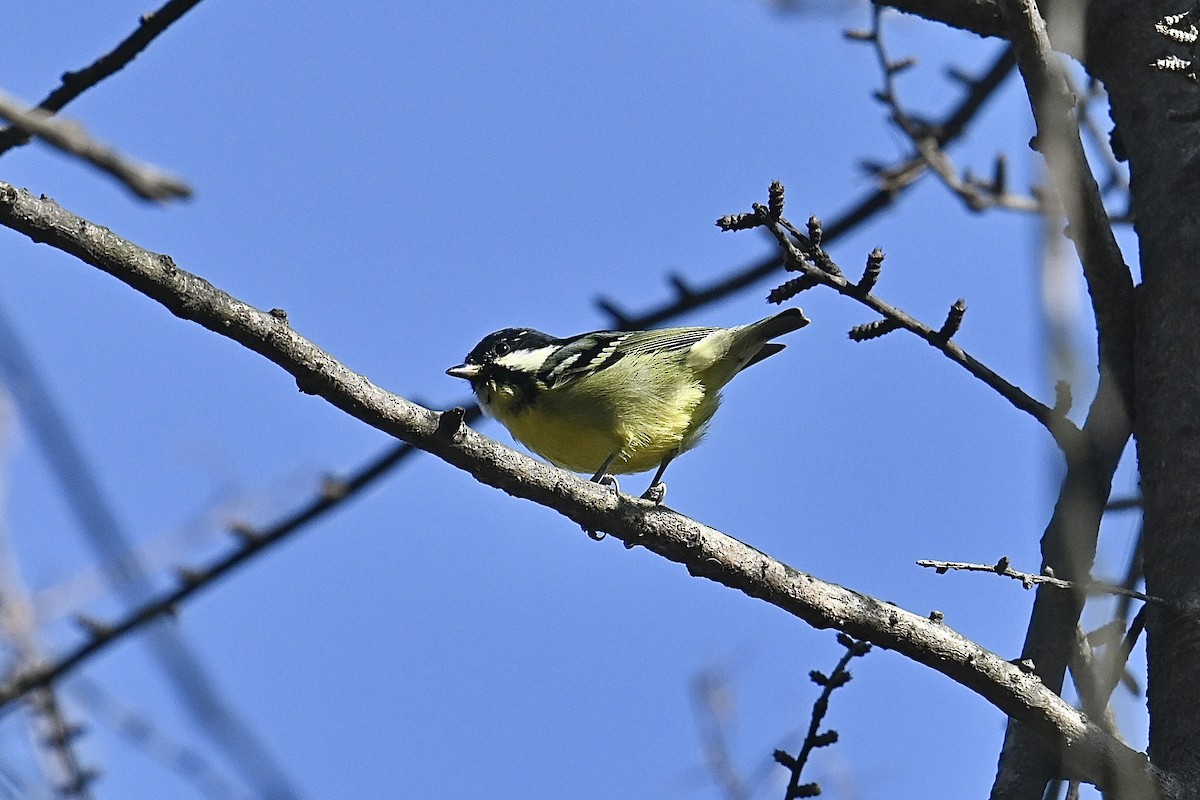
x=58, y=735
x=1092, y=754
x=140, y=731
x=1114, y=665
x=894, y=180
x=982, y=17
x=709, y=700
x=146, y=181
x=1085, y=675
x=805, y=254
x=815, y=738
x=1109, y=280
x=1124, y=504
x=76, y=83
x=1029, y=580
x=978, y=195
x=55, y=735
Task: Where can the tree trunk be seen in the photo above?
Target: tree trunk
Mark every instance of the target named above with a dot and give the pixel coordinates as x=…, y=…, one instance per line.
x=1164, y=160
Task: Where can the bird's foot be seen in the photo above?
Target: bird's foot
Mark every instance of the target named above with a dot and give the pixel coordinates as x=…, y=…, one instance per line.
x=603, y=480
x=656, y=493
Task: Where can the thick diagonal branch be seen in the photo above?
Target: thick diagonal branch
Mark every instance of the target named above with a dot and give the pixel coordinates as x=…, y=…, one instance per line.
x=1094, y=755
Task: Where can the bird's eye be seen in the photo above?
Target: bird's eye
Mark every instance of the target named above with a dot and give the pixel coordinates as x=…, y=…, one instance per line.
x=503, y=348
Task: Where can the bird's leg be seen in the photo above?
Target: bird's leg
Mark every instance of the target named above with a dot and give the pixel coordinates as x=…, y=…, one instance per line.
x=657, y=491
x=604, y=479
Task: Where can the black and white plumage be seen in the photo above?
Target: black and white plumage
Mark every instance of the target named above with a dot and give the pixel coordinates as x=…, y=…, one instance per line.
x=614, y=401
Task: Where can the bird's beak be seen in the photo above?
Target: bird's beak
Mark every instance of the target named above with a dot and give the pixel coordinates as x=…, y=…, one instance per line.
x=467, y=372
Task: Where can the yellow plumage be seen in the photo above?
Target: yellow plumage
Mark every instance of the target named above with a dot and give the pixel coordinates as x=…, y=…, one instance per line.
x=614, y=402
x=645, y=416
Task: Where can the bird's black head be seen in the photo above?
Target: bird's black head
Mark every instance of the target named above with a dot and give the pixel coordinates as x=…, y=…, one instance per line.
x=481, y=363
x=503, y=342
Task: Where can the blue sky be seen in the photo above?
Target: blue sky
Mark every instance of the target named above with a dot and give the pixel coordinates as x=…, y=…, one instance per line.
x=404, y=178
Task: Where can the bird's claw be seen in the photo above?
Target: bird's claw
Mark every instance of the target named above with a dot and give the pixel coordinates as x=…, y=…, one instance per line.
x=609, y=480
x=603, y=480
x=656, y=493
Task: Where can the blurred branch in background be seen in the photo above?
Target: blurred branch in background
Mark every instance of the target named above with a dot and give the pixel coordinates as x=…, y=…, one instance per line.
x=113, y=547
x=893, y=181
x=713, y=706
x=53, y=735
x=332, y=493
x=141, y=732
x=145, y=181
x=77, y=82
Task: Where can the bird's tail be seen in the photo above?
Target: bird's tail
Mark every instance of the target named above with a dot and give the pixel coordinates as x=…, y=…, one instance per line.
x=786, y=321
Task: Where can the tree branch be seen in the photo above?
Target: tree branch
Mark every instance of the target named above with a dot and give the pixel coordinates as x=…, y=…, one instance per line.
x=1029, y=580
x=1069, y=544
x=977, y=16
x=806, y=254
x=894, y=180
x=1093, y=755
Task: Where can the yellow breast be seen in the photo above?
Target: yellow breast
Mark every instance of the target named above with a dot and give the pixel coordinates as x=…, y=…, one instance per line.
x=643, y=417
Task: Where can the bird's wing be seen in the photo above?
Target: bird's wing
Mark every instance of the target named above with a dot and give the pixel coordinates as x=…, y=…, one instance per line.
x=583, y=355
x=589, y=353
x=662, y=341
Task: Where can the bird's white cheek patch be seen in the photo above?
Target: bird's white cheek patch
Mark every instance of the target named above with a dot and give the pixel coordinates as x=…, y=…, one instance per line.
x=526, y=360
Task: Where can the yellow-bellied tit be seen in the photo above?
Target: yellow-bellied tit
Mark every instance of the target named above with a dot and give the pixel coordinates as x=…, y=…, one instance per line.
x=615, y=402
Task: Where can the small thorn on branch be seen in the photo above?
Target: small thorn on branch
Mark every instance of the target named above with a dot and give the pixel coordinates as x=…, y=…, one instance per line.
x=450, y=423
x=619, y=317
x=858, y=35
x=682, y=290
x=825, y=739
x=953, y=319
x=873, y=330
x=333, y=488
x=1000, y=175
x=189, y=576
x=961, y=76
x=94, y=627
x=245, y=533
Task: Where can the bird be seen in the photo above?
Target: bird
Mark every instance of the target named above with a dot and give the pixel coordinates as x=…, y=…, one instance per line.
x=615, y=402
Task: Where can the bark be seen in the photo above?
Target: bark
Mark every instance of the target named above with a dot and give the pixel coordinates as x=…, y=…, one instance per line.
x=1164, y=160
